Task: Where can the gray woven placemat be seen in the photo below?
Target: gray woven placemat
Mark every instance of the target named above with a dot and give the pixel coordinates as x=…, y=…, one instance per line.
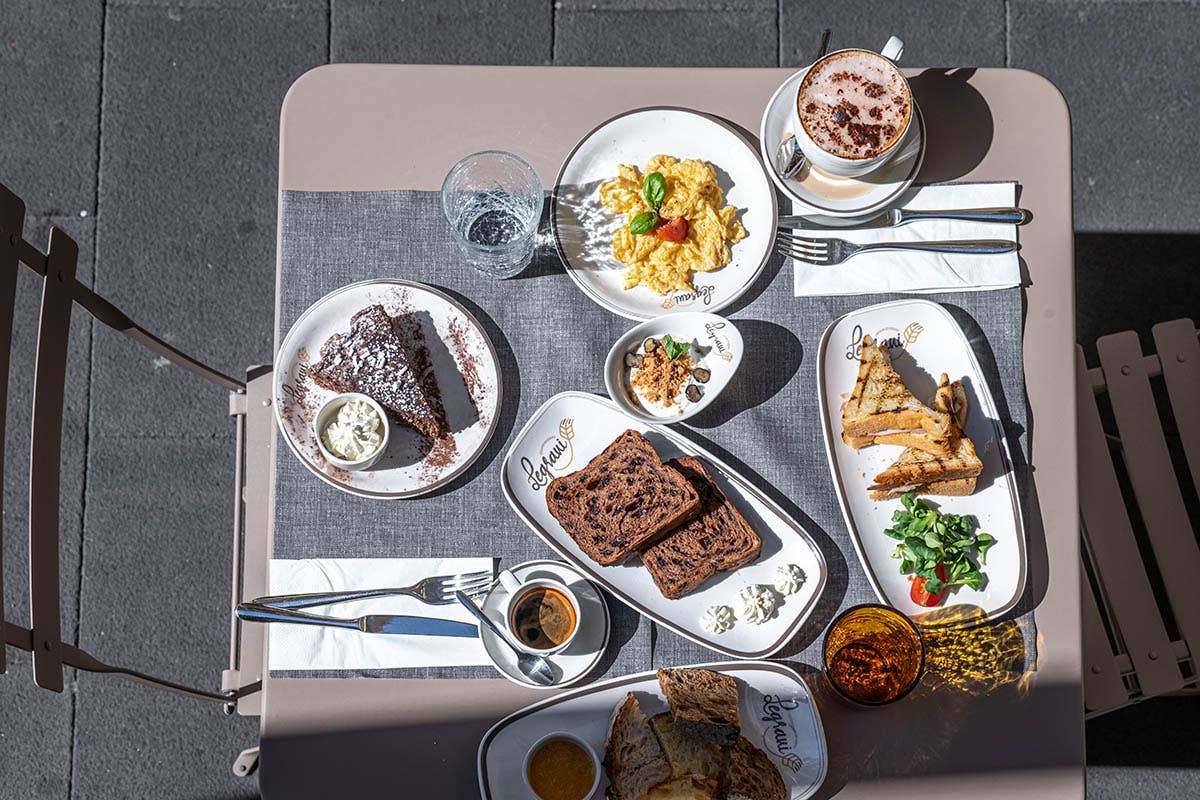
x=551, y=338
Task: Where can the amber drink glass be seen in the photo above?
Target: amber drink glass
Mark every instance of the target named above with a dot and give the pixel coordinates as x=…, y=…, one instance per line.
x=874, y=655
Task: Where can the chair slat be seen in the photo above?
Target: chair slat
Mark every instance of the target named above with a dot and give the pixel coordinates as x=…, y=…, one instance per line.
x=1179, y=354
x=1153, y=478
x=1114, y=551
x=12, y=223
x=50, y=372
x=1103, y=687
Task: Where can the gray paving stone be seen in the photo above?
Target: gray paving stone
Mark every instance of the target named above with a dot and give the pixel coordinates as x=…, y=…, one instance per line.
x=1122, y=783
x=50, y=63
x=35, y=725
x=739, y=34
x=1131, y=73
x=156, y=597
x=936, y=33
x=188, y=200
x=441, y=31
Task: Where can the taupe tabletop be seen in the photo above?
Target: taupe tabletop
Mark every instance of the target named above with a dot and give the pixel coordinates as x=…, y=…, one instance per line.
x=363, y=127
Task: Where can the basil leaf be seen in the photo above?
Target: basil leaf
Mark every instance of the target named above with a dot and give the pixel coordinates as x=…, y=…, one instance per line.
x=654, y=187
x=644, y=222
x=675, y=349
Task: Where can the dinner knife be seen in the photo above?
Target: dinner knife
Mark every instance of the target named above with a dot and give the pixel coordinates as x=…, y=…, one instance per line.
x=368, y=623
x=894, y=217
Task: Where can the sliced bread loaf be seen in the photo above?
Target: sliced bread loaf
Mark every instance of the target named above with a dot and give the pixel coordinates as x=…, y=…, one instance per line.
x=625, y=498
x=695, y=762
x=752, y=776
x=704, y=704
x=718, y=539
x=634, y=761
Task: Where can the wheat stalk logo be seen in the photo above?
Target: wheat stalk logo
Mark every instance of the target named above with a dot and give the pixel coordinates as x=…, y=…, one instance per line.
x=668, y=302
x=566, y=431
x=793, y=762
x=912, y=332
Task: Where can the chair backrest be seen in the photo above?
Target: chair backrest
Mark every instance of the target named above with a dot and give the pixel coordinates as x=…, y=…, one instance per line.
x=60, y=293
x=1141, y=617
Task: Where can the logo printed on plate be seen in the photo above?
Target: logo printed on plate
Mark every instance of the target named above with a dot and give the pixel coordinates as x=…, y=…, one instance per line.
x=779, y=735
x=890, y=337
x=556, y=454
x=701, y=294
x=719, y=340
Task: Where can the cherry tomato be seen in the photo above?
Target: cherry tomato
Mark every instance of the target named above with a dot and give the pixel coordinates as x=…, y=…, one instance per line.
x=923, y=598
x=672, y=230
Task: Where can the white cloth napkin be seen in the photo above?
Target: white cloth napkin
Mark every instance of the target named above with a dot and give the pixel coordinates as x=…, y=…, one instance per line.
x=917, y=272
x=312, y=647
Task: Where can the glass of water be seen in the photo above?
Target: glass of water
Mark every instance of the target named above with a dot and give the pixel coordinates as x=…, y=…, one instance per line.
x=493, y=202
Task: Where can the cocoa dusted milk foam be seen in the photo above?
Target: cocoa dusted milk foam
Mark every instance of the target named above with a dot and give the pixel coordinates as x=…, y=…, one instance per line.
x=854, y=104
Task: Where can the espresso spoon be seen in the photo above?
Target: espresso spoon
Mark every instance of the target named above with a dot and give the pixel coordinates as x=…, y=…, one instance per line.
x=536, y=668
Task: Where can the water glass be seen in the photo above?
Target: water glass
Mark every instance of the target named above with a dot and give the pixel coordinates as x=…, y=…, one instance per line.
x=493, y=202
x=874, y=655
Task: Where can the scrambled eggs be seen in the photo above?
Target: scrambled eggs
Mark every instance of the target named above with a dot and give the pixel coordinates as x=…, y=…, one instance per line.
x=692, y=193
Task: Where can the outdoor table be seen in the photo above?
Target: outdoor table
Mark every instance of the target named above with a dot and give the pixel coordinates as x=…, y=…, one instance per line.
x=373, y=127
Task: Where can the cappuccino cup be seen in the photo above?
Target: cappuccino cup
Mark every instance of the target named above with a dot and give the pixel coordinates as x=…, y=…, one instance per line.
x=853, y=110
x=541, y=615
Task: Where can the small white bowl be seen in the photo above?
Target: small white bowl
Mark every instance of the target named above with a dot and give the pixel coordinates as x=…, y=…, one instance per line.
x=326, y=414
x=716, y=346
x=587, y=748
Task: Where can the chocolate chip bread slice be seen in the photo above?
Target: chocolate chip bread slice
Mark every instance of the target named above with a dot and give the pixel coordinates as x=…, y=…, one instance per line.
x=625, y=498
x=372, y=359
x=634, y=760
x=718, y=539
x=752, y=776
x=704, y=704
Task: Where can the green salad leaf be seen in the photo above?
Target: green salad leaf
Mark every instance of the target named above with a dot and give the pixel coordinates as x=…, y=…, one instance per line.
x=926, y=537
x=644, y=222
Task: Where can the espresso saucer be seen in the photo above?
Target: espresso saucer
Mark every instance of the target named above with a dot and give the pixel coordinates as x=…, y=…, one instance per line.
x=581, y=655
x=828, y=199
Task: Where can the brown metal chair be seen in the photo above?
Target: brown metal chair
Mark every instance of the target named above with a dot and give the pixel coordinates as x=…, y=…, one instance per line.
x=249, y=404
x=1141, y=617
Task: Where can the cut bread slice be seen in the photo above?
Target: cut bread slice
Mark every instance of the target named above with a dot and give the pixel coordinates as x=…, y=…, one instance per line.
x=917, y=468
x=696, y=766
x=625, y=498
x=704, y=704
x=752, y=776
x=685, y=788
x=718, y=539
x=634, y=761
x=959, y=487
x=881, y=403
x=950, y=398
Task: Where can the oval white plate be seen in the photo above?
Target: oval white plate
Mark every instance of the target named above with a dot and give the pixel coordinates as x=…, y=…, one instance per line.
x=775, y=705
x=829, y=200
x=935, y=344
x=583, y=229
x=585, y=650
x=469, y=382
x=573, y=427
x=716, y=346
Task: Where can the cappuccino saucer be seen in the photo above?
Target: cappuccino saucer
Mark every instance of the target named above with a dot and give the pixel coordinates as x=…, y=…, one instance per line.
x=827, y=199
x=585, y=650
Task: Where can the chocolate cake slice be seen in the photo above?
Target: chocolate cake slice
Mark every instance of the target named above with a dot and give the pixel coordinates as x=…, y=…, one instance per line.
x=372, y=359
x=718, y=539
x=625, y=498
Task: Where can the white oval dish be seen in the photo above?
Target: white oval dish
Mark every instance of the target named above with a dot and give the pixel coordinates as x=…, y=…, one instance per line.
x=583, y=228
x=716, y=346
x=932, y=343
x=586, y=647
x=777, y=710
x=333, y=407
x=827, y=199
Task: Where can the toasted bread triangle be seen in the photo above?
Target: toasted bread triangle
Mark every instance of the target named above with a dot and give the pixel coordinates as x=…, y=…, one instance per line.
x=881, y=402
x=916, y=467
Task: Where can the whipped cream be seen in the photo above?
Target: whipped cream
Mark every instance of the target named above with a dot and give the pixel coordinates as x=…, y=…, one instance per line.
x=717, y=619
x=756, y=603
x=355, y=433
x=788, y=578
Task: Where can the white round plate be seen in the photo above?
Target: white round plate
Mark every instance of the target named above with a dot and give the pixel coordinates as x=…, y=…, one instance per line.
x=581, y=655
x=583, y=229
x=716, y=346
x=464, y=364
x=830, y=200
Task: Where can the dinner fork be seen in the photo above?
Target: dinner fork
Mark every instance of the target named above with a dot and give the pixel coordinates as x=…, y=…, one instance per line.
x=827, y=252
x=435, y=591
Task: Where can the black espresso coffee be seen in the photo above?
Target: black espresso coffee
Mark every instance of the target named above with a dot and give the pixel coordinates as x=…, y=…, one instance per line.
x=854, y=104
x=543, y=618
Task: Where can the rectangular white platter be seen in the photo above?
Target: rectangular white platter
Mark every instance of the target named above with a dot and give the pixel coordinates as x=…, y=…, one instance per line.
x=776, y=708
x=925, y=342
x=573, y=427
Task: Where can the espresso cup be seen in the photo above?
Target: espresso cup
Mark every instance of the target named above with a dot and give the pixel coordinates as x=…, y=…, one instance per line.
x=541, y=615
x=859, y=156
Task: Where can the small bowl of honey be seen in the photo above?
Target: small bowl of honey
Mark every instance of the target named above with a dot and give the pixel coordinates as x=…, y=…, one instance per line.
x=561, y=766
